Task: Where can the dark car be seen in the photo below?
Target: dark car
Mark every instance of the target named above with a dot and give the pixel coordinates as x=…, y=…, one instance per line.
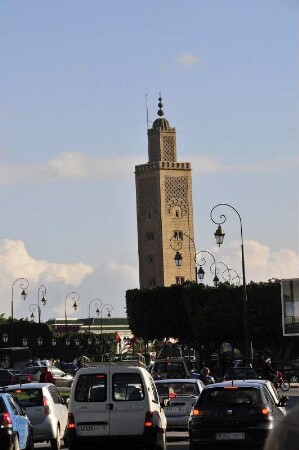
x=289, y=370
x=15, y=427
x=240, y=412
x=240, y=373
x=8, y=377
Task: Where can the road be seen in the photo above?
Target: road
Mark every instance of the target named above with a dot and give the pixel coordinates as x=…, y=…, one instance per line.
x=177, y=440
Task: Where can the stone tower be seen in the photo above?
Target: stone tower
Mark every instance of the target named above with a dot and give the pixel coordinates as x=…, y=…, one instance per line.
x=164, y=210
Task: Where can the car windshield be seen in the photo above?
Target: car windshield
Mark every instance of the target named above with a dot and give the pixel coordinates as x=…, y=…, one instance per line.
x=230, y=396
x=170, y=368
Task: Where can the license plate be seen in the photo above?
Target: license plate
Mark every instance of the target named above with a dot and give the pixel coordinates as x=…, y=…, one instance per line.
x=93, y=428
x=229, y=436
x=180, y=409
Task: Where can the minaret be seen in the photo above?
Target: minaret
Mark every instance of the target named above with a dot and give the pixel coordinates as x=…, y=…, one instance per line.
x=164, y=208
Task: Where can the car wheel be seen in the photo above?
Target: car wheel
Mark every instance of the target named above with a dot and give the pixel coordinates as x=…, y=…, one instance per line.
x=55, y=443
x=15, y=444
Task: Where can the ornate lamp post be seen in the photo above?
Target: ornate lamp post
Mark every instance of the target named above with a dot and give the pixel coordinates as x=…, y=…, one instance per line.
x=41, y=292
x=97, y=305
x=74, y=296
x=109, y=308
x=178, y=258
x=24, y=283
x=32, y=308
x=219, y=235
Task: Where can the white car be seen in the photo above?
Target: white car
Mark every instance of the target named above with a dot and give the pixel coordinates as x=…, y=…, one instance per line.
x=45, y=409
x=182, y=394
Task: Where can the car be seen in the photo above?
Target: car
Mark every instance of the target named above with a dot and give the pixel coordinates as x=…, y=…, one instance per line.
x=289, y=370
x=171, y=368
x=61, y=379
x=11, y=377
x=182, y=394
x=242, y=412
x=115, y=404
x=45, y=409
x=15, y=427
x=70, y=368
x=240, y=373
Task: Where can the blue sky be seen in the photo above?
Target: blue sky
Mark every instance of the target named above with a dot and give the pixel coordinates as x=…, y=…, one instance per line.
x=74, y=76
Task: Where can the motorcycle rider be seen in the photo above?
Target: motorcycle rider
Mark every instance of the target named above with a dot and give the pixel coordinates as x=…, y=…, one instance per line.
x=269, y=372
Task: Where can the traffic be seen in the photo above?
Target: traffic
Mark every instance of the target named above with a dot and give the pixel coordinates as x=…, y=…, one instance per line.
x=169, y=403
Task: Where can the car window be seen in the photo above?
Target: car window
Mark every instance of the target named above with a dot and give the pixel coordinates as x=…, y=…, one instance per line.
x=29, y=397
x=3, y=407
x=154, y=391
x=231, y=396
x=178, y=388
x=171, y=368
x=57, y=399
x=14, y=406
x=91, y=387
x=127, y=387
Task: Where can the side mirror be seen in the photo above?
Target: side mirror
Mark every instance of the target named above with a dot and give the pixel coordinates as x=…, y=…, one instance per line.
x=283, y=401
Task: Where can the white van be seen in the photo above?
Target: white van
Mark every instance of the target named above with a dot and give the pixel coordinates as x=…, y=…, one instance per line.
x=115, y=404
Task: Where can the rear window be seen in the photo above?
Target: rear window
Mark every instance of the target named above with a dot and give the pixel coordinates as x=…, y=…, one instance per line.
x=229, y=396
x=91, y=387
x=171, y=369
x=28, y=397
x=127, y=387
x=177, y=388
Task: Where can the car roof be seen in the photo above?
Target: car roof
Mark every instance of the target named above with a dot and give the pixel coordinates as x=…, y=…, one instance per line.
x=239, y=383
x=177, y=380
x=27, y=386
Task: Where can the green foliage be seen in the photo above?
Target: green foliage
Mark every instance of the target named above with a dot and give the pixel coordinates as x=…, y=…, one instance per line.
x=202, y=315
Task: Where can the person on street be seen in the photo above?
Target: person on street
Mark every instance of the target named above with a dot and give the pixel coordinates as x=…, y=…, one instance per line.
x=46, y=376
x=269, y=372
x=205, y=376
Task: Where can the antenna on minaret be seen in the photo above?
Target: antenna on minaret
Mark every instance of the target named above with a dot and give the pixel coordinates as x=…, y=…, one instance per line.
x=146, y=104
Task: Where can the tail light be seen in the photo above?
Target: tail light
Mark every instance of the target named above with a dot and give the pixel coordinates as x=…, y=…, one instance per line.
x=265, y=411
x=148, y=421
x=46, y=406
x=71, y=421
x=6, y=420
x=197, y=413
x=172, y=395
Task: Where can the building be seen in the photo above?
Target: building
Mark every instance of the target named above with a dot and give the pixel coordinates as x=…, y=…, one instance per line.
x=164, y=210
x=97, y=326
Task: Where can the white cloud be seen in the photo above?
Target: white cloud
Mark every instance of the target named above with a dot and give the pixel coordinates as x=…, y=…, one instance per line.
x=261, y=263
x=188, y=60
x=81, y=166
x=15, y=262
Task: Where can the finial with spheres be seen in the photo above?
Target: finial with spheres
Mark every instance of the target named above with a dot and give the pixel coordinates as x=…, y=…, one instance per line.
x=160, y=105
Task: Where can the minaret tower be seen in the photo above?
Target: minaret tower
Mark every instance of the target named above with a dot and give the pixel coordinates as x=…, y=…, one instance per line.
x=164, y=209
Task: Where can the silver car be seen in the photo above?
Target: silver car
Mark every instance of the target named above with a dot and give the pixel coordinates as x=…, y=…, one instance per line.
x=182, y=394
x=46, y=410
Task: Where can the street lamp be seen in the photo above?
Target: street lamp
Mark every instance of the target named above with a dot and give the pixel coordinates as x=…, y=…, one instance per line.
x=178, y=258
x=74, y=296
x=109, y=308
x=32, y=308
x=5, y=337
x=41, y=292
x=24, y=283
x=219, y=235
x=97, y=305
